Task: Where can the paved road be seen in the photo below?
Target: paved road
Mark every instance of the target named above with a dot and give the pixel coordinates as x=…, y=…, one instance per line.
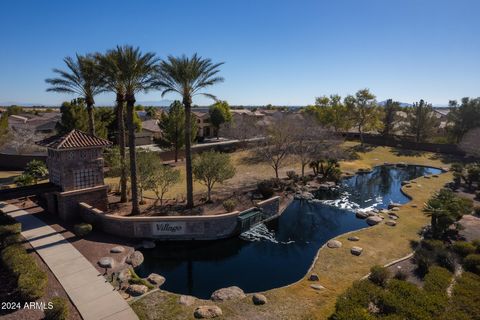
x=94, y=298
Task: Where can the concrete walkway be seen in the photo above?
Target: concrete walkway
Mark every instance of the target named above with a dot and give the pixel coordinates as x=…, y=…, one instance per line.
x=93, y=297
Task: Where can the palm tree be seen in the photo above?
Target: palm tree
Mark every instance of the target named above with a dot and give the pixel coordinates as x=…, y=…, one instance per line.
x=83, y=79
x=138, y=73
x=112, y=81
x=188, y=77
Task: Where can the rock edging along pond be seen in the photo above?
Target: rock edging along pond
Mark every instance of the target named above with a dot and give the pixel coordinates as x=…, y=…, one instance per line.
x=280, y=252
x=208, y=227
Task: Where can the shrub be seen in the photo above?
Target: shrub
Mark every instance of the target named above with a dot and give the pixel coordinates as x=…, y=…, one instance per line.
x=135, y=279
x=379, y=275
x=472, y=263
x=437, y=280
x=31, y=284
x=292, y=175
x=424, y=259
x=59, y=310
x=400, y=275
x=9, y=230
x=266, y=188
x=229, y=205
x=358, y=296
x=433, y=245
x=465, y=298
x=476, y=243
x=82, y=229
x=463, y=248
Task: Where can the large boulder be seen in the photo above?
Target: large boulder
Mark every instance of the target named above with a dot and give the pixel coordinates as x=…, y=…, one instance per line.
x=137, y=289
x=207, y=312
x=106, y=262
x=394, y=205
x=124, y=275
x=362, y=214
x=353, y=238
x=259, y=299
x=317, y=286
x=373, y=220
x=356, y=251
x=313, y=277
x=135, y=259
x=186, y=300
x=156, y=279
x=228, y=294
x=117, y=249
x=391, y=223
x=334, y=244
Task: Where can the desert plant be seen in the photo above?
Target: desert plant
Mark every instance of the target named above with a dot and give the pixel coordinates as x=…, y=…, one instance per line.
x=292, y=175
x=400, y=275
x=463, y=248
x=229, y=205
x=59, y=310
x=379, y=275
x=472, y=263
x=82, y=229
x=265, y=188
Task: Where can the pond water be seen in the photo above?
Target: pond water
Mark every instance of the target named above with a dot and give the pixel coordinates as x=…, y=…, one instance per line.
x=280, y=252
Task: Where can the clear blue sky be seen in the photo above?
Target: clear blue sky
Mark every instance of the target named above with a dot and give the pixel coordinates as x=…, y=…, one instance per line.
x=279, y=52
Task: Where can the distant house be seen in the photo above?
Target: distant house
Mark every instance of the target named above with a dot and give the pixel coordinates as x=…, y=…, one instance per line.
x=204, y=126
x=149, y=133
x=43, y=123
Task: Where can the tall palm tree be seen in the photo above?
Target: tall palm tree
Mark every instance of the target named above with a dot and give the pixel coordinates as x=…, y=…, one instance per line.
x=112, y=81
x=81, y=78
x=138, y=73
x=188, y=77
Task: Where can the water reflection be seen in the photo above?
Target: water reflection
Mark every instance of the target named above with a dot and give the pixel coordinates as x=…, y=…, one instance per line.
x=279, y=253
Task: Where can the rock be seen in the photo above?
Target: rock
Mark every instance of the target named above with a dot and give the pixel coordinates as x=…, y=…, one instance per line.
x=395, y=209
x=106, y=262
x=405, y=182
x=317, y=287
x=391, y=223
x=384, y=211
x=393, y=216
x=313, y=277
x=408, y=186
x=354, y=238
x=124, y=275
x=124, y=295
x=228, y=294
x=259, y=299
x=207, y=312
x=135, y=259
x=334, y=244
x=401, y=164
x=356, y=251
x=186, y=300
x=156, y=279
x=435, y=176
x=374, y=220
x=394, y=205
x=426, y=177
x=414, y=206
x=148, y=244
x=117, y=249
x=361, y=214
x=137, y=289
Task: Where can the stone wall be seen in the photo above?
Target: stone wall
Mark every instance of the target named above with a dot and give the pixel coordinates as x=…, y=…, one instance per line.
x=172, y=227
x=67, y=202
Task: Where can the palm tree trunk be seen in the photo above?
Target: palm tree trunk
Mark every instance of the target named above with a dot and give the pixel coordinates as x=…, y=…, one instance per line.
x=133, y=158
x=91, y=120
x=121, y=144
x=187, y=103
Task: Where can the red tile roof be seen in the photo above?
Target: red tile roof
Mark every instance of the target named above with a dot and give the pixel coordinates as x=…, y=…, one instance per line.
x=73, y=140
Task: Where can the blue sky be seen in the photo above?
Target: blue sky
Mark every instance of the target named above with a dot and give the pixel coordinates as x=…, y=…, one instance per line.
x=279, y=52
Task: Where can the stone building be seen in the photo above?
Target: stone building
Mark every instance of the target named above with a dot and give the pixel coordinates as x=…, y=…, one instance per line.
x=75, y=164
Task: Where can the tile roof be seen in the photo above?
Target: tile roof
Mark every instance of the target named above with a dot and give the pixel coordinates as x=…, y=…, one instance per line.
x=73, y=140
x=151, y=125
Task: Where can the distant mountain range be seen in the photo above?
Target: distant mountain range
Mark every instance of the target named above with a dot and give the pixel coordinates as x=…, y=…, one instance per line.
x=159, y=103
x=402, y=104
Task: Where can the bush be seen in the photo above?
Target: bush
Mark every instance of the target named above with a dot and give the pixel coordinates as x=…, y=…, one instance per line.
x=82, y=229
x=266, y=188
x=31, y=280
x=424, y=259
x=135, y=279
x=472, y=263
x=463, y=248
x=9, y=230
x=357, y=296
x=476, y=243
x=400, y=275
x=59, y=310
x=465, y=298
x=437, y=280
x=292, y=175
x=379, y=275
x=433, y=245
x=229, y=205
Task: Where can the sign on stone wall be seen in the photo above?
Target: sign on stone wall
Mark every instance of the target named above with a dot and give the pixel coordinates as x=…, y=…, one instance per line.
x=168, y=228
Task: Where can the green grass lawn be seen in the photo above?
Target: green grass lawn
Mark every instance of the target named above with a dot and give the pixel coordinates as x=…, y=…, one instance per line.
x=337, y=268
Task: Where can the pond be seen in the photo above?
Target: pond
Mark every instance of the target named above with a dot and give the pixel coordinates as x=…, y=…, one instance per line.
x=281, y=252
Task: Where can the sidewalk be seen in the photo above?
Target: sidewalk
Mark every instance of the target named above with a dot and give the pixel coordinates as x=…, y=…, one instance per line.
x=93, y=297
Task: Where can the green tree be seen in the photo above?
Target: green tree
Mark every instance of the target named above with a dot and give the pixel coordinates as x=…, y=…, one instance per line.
x=331, y=112
x=211, y=167
x=74, y=115
x=24, y=180
x=163, y=179
x=83, y=79
x=445, y=208
x=172, y=124
x=14, y=110
x=188, y=77
x=3, y=126
x=390, y=117
x=148, y=164
x=220, y=114
x=464, y=117
x=37, y=170
x=138, y=73
x=365, y=114
x=421, y=121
